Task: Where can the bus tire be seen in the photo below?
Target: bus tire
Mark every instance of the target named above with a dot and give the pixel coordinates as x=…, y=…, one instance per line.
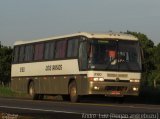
x=74, y=97
x=31, y=90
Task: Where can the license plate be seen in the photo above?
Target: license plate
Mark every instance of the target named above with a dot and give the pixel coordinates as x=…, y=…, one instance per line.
x=115, y=93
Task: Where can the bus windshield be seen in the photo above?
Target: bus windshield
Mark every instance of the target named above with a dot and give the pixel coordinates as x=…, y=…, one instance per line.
x=118, y=55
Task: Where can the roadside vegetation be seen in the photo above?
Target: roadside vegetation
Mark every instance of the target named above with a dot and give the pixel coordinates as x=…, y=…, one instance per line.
x=150, y=86
x=6, y=91
x=150, y=62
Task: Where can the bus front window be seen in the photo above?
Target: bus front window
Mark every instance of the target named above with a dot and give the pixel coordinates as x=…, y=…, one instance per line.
x=115, y=55
x=103, y=55
x=129, y=56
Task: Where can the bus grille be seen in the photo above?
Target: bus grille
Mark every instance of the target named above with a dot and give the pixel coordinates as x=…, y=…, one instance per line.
x=116, y=88
x=112, y=80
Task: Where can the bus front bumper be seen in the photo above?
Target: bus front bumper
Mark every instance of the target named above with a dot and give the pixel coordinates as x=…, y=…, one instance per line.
x=119, y=89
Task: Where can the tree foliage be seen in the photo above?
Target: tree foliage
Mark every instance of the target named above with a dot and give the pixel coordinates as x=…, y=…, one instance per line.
x=157, y=57
x=151, y=60
x=5, y=64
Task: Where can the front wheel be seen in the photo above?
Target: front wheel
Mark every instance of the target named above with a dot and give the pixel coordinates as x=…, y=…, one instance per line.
x=74, y=97
x=31, y=91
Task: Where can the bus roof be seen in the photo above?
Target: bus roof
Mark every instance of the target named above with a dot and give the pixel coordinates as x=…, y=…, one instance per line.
x=109, y=35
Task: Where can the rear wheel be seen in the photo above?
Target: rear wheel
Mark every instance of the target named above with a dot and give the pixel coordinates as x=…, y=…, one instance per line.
x=31, y=91
x=74, y=97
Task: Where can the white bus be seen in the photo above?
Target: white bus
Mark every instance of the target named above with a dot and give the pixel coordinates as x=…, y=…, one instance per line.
x=78, y=64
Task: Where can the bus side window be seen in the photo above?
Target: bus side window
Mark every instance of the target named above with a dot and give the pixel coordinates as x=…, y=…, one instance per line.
x=83, y=56
x=38, y=53
x=72, y=49
x=60, y=49
x=29, y=51
x=49, y=50
x=16, y=54
x=21, y=53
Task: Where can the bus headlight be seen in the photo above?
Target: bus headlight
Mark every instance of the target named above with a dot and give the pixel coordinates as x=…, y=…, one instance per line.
x=135, y=89
x=98, y=79
x=95, y=79
x=96, y=88
x=135, y=80
x=101, y=79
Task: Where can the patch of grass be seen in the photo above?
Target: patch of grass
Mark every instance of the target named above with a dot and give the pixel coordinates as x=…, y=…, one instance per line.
x=7, y=92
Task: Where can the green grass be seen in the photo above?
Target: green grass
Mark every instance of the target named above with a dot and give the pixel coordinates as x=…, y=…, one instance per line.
x=7, y=92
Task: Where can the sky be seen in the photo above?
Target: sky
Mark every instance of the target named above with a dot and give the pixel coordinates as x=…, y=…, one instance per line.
x=35, y=19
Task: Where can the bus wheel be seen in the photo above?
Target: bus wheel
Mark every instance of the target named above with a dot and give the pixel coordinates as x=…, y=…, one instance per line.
x=32, y=91
x=74, y=97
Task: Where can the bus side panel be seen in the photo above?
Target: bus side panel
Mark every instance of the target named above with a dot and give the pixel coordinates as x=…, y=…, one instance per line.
x=53, y=85
x=60, y=84
x=82, y=85
x=19, y=85
x=63, y=84
x=40, y=85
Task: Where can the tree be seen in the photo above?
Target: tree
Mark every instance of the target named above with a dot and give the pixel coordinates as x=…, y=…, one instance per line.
x=157, y=57
x=5, y=64
x=156, y=72
x=148, y=61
